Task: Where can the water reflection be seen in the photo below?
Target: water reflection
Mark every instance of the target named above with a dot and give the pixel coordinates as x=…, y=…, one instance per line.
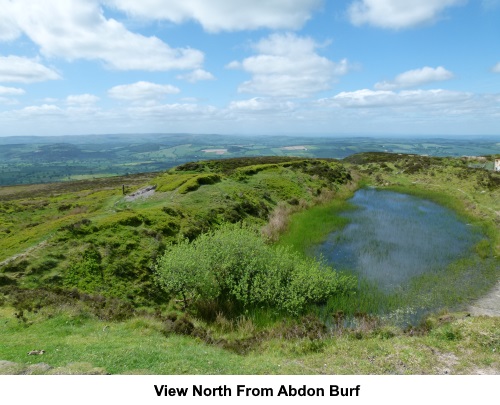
x=392, y=237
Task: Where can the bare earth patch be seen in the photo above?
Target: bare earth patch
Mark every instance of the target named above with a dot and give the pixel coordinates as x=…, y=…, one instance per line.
x=488, y=305
x=448, y=362
x=485, y=371
x=141, y=193
x=11, y=368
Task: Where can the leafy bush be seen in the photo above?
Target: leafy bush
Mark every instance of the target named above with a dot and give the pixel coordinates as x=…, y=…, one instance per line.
x=233, y=264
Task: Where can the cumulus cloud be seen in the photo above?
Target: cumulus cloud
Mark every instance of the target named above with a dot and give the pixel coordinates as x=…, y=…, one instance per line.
x=24, y=70
x=366, y=98
x=416, y=77
x=11, y=91
x=175, y=111
x=397, y=14
x=287, y=65
x=496, y=68
x=141, y=91
x=39, y=110
x=413, y=111
x=83, y=32
x=224, y=15
x=82, y=99
x=196, y=76
x=259, y=105
x=8, y=27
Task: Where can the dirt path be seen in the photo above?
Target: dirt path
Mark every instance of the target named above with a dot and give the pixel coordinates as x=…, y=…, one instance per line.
x=487, y=305
x=23, y=254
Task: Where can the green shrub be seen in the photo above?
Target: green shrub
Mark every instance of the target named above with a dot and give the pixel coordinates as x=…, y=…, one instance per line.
x=233, y=264
x=87, y=274
x=449, y=332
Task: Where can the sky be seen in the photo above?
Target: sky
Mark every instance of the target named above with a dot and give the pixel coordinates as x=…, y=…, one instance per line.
x=318, y=67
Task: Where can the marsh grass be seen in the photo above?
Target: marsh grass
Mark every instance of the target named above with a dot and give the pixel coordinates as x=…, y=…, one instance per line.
x=312, y=226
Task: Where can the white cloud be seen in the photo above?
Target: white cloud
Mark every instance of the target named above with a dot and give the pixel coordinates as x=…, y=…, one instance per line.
x=435, y=111
x=142, y=91
x=224, y=15
x=8, y=101
x=23, y=70
x=39, y=110
x=196, y=76
x=176, y=111
x=49, y=119
x=78, y=29
x=397, y=14
x=234, y=65
x=288, y=66
x=81, y=99
x=366, y=98
x=11, y=91
x=416, y=77
x=259, y=105
x=496, y=68
x=363, y=111
x=8, y=28
x=172, y=115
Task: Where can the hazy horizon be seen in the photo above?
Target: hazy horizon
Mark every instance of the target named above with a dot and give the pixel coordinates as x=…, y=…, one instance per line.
x=312, y=136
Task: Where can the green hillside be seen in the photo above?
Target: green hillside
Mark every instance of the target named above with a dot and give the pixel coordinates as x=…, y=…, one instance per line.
x=51, y=232
x=78, y=259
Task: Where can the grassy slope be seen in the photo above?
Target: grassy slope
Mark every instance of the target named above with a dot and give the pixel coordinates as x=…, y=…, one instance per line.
x=50, y=229
x=136, y=230
x=73, y=345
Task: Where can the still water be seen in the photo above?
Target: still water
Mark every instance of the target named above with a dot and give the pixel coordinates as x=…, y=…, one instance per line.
x=392, y=237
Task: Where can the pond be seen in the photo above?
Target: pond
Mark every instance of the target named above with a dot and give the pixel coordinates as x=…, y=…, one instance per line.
x=392, y=238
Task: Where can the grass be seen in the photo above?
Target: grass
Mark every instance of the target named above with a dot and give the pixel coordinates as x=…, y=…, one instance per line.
x=312, y=226
x=85, y=345
x=129, y=235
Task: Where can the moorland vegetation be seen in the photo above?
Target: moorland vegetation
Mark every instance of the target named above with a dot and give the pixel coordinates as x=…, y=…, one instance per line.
x=210, y=273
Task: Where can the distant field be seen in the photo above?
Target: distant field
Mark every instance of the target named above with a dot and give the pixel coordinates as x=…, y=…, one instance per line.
x=33, y=160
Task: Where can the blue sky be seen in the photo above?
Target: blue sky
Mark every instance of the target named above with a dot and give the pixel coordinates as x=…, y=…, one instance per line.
x=339, y=67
